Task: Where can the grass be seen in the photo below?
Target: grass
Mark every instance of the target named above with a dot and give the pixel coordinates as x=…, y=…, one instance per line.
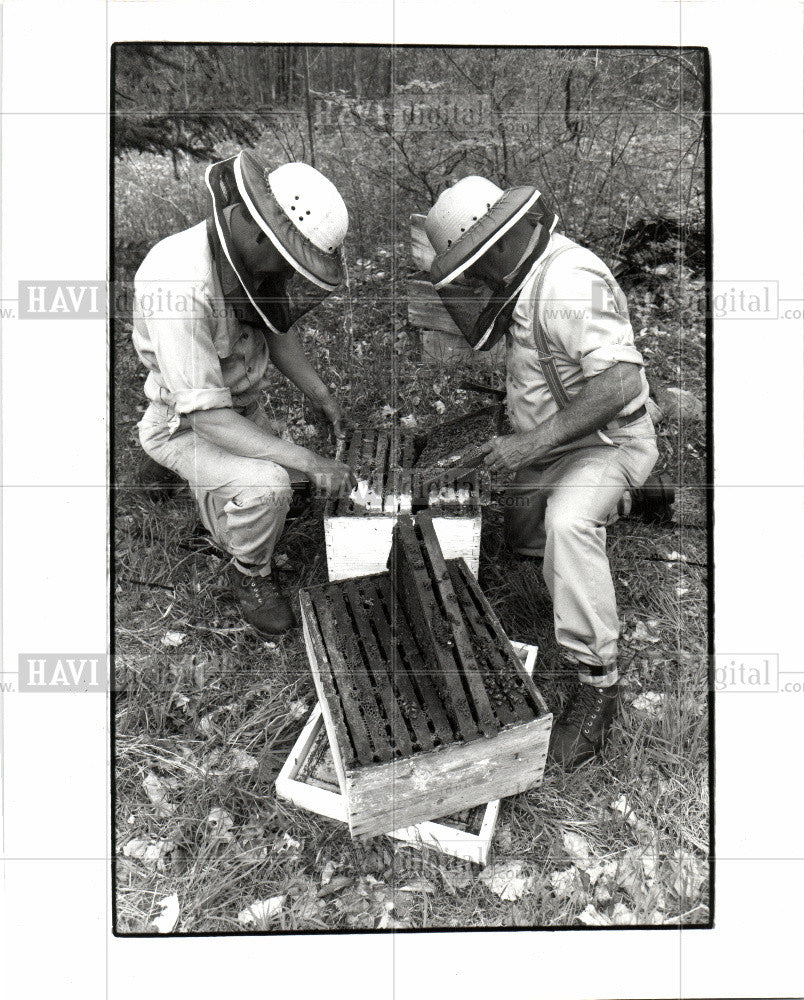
x=203, y=727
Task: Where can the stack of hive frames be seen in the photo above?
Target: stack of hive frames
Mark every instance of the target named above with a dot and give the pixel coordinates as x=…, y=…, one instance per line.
x=452, y=436
x=424, y=718
x=308, y=780
x=357, y=529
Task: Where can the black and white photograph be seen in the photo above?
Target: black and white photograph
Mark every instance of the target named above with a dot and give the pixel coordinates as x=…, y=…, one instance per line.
x=411, y=563
x=402, y=477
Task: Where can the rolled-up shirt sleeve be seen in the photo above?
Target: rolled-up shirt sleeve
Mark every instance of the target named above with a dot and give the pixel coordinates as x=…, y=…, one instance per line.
x=585, y=314
x=176, y=340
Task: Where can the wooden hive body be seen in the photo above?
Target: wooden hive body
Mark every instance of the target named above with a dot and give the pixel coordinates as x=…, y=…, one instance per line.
x=424, y=719
x=358, y=529
x=308, y=779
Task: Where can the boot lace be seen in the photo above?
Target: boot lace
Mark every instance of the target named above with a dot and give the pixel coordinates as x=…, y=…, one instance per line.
x=262, y=587
x=588, y=702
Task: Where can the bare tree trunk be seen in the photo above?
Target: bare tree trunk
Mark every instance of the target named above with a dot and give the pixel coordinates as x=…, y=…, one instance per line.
x=356, y=80
x=308, y=100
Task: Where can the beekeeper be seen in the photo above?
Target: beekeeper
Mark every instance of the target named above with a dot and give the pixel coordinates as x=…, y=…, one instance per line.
x=576, y=393
x=214, y=306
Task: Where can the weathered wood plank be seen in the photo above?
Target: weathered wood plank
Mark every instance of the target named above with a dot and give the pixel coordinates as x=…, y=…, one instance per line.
x=320, y=793
x=368, y=704
x=342, y=689
x=400, y=662
x=411, y=675
x=427, y=311
x=524, y=686
x=422, y=251
x=322, y=676
x=413, y=588
x=377, y=665
x=345, y=505
x=439, y=783
x=468, y=665
x=493, y=666
x=392, y=486
x=378, y=472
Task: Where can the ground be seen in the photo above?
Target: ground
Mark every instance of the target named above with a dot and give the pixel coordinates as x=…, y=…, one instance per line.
x=206, y=713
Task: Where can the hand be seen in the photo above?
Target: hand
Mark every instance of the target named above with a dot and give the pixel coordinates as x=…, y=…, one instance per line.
x=509, y=453
x=330, y=477
x=328, y=408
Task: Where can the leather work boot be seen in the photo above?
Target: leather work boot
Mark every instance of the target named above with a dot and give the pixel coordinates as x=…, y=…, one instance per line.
x=301, y=500
x=652, y=501
x=262, y=604
x=581, y=729
x=157, y=482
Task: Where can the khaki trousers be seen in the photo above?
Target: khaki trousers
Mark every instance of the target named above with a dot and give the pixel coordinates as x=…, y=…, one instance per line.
x=242, y=502
x=559, y=512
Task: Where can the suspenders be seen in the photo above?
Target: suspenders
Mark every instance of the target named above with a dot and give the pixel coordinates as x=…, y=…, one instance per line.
x=547, y=362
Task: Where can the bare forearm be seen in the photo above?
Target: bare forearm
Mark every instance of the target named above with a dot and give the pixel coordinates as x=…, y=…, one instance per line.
x=598, y=402
x=229, y=430
x=287, y=355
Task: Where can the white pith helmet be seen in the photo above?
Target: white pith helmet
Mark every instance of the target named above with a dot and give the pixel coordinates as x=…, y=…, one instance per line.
x=458, y=209
x=312, y=203
x=467, y=219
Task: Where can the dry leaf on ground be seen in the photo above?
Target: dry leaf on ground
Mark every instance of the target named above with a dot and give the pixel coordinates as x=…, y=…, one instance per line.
x=417, y=885
x=297, y=709
x=566, y=883
x=288, y=844
x=327, y=873
x=242, y=761
x=334, y=885
x=169, y=916
x=222, y=762
x=592, y=917
x=219, y=823
x=641, y=634
x=635, y=872
x=387, y=922
x=173, y=639
x=621, y=915
x=640, y=827
x=691, y=873
x=578, y=849
x=307, y=905
x=507, y=880
x=650, y=702
x=503, y=838
x=262, y=910
x=156, y=790
x=456, y=880
x=149, y=851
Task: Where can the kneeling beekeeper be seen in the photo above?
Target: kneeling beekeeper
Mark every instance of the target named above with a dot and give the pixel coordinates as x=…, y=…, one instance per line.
x=213, y=306
x=576, y=393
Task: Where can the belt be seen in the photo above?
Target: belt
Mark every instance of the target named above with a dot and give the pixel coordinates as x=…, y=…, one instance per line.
x=625, y=421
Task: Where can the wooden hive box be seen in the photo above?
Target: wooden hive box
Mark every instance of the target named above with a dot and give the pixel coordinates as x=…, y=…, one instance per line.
x=358, y=529
x=308, y=780
x=414, y=738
